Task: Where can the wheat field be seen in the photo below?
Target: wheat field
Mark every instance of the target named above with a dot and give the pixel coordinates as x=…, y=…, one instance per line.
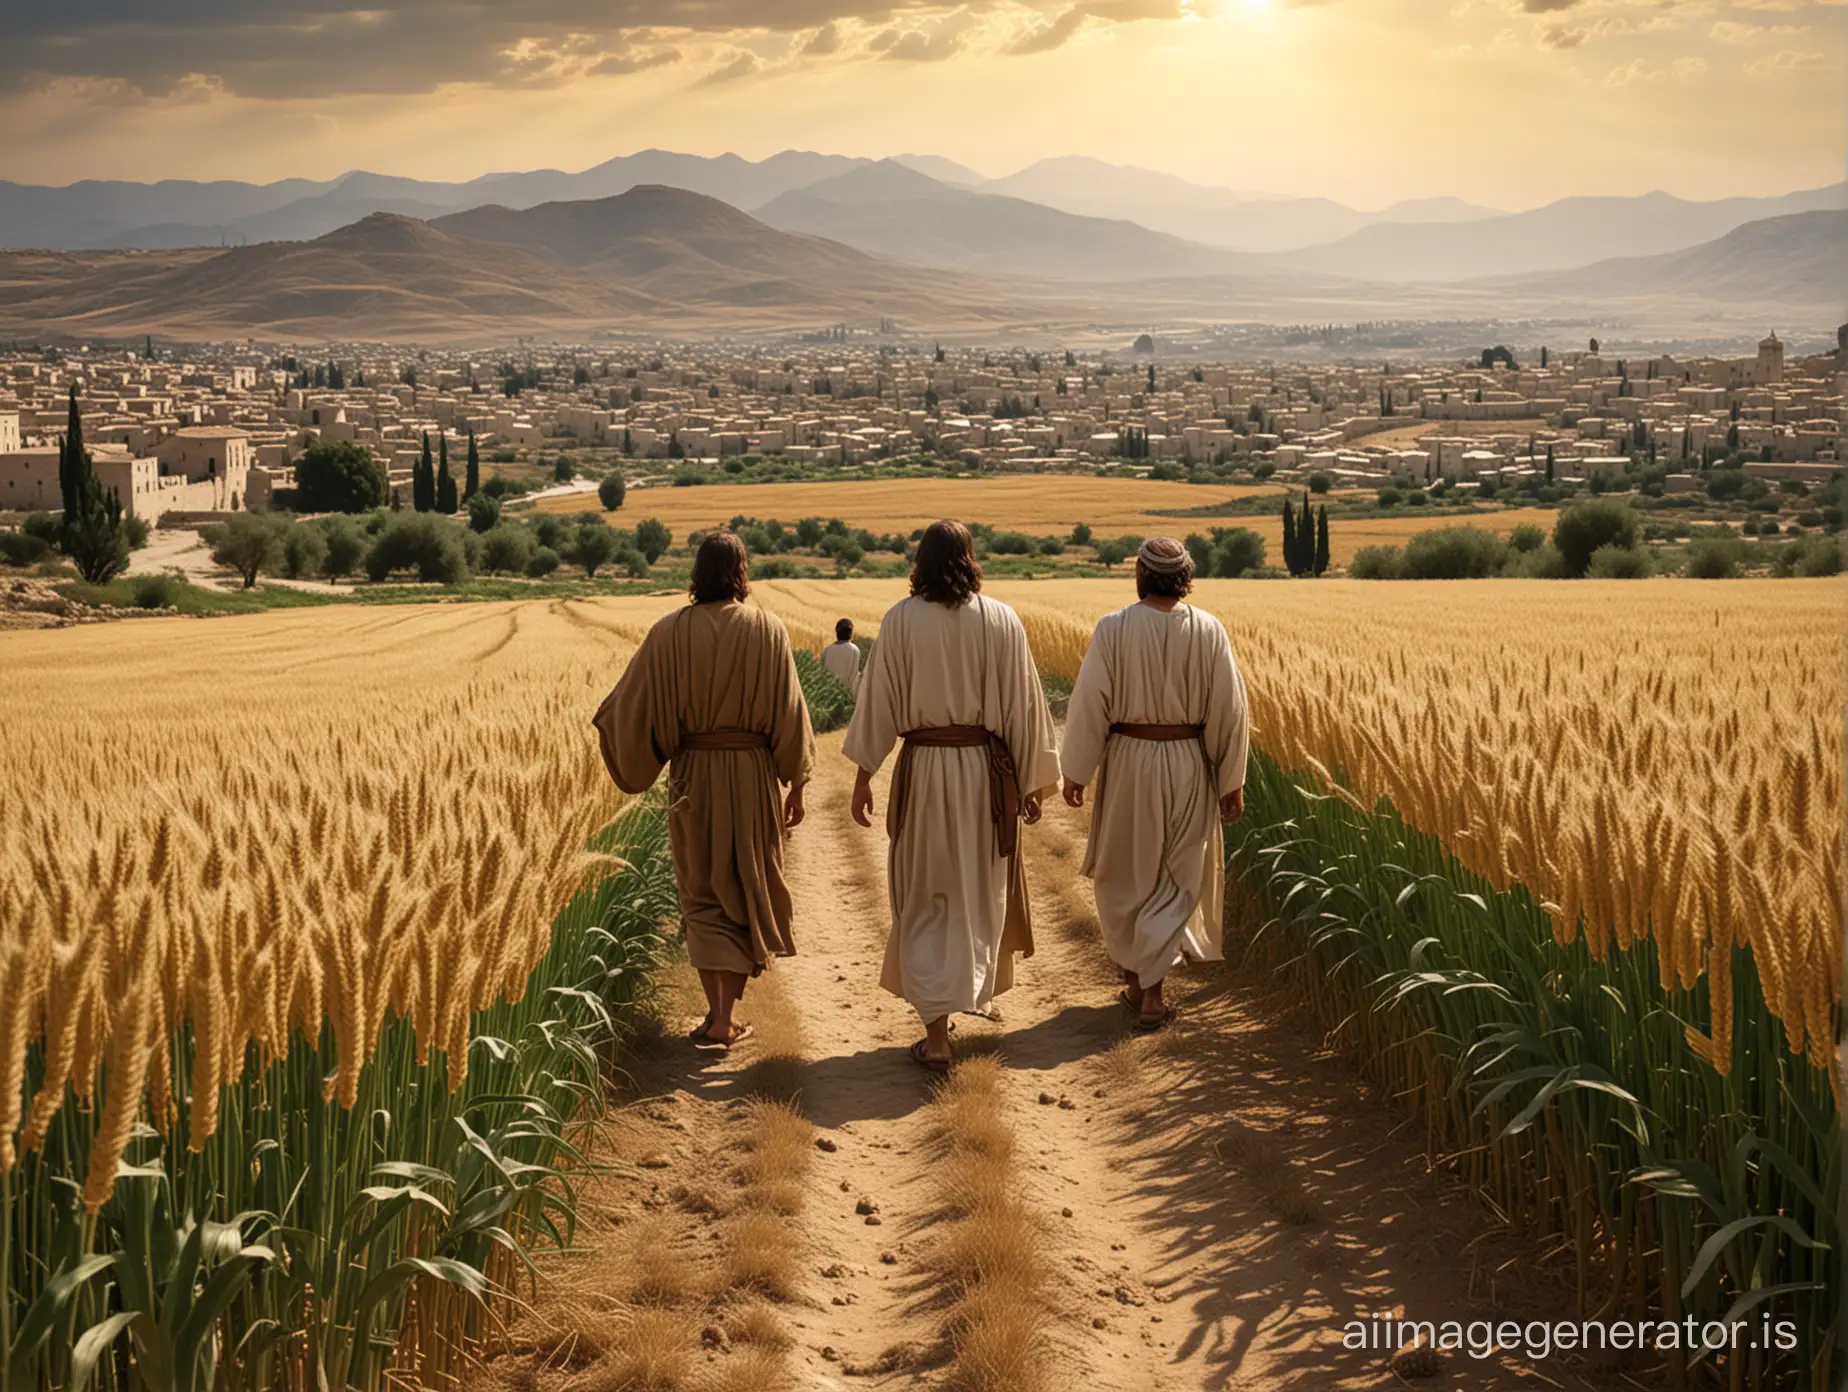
x=1039, y=504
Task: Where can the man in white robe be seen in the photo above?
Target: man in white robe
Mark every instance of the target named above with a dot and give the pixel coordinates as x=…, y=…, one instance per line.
x=841, y=658
x=1159, y=730
x=951, y=675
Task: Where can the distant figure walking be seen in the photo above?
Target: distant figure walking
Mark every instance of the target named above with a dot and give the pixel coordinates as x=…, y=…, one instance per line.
x=713, y=691
x=952, y=677
x=842, y=657
x=1158, y=723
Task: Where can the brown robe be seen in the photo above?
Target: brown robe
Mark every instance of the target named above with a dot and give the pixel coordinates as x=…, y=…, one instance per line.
x=704, y=668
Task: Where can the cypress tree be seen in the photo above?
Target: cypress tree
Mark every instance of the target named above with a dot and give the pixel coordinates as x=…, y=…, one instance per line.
x=1549, y=463
x=1321, y=539
x=72, y=461
x=1305, y=536
x=472, y=482
x=423, y=480
x=1289, y=536
x=445, y=481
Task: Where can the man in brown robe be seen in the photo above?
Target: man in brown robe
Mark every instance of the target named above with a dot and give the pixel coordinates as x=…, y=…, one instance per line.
x=713, y=692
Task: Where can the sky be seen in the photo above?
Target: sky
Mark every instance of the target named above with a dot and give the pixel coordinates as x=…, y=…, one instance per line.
x=1510, y=103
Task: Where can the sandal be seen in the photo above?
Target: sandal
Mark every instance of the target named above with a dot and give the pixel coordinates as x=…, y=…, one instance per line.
x=1150, y=1024
x=723, y=1046
x=919, y=1057
x=698, y=1032
x=1123, y=999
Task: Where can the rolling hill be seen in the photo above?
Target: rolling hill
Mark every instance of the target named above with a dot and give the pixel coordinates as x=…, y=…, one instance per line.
x=1793, y=261
x=1570, y=232
x=891, y=210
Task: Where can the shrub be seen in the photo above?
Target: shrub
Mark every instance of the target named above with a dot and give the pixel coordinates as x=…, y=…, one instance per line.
x=1715, y=558
x=483, y=513
x=43, y=525
x=1810, y=557
x=593, y=547
x=563, y=471
x=345, y=548
x=338, y=476
x=1011, y=544
x=153, y=591
x=1263, y=469
x=22, y=548
x=773, y=568
x=1051, y=546
x=1235, y=551
x=422, y=542
x=611, y=490
x=248, y=544
x=1619, y=563
x=1320, y=482
x=1417, y=498
x=1389, y=496
x=1375, y=563
x=1542, y=563
x=541, y=563
x=1451, y=553
x=136, y=530
x=304, y=550
x=1527, y=537
x=506, y=549
x=1081, y=534
x=652, y=539
x=1584, y=527
x=1112, y=551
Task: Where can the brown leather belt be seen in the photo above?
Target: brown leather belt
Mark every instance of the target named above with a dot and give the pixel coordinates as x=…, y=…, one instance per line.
x=723, y=739
x=1003, y=777
x=1167, y=734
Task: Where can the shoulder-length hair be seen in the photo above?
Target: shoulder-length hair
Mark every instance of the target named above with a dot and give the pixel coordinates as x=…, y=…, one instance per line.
x=721, y=569
x=945, y=570
x=1172, y=584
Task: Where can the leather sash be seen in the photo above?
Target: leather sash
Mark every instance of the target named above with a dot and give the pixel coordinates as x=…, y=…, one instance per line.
x=1166, y=734
x=723, y=739
x=1003, y=777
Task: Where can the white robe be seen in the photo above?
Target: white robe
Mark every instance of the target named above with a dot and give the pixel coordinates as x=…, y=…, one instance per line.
x=843, y=661
x=933, y=665
x=1155, y=855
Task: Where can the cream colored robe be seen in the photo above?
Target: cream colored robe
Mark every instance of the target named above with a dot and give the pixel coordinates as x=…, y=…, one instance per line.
x=1155, y=854
x=717, y=667
x=934, y=665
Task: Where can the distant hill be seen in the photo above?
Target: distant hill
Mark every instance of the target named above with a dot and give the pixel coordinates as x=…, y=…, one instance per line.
x=1571, y=232
x=653, y=258
x=178, y=213
x=891, y=210
x=692, y=249
x=1795, y=261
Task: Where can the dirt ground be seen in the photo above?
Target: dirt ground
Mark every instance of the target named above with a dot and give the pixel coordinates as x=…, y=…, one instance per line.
x=1213, y=1203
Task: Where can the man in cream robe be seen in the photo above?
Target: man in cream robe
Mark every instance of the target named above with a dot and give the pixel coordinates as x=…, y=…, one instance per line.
x=955, y=926
x=1158, y=728
x=713, y=691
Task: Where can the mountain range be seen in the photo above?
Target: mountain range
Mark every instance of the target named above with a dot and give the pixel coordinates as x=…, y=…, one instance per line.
x=1065, y=218
x=661, y=260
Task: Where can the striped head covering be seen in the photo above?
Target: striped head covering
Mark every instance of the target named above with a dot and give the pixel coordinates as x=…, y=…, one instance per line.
x=1164, y=556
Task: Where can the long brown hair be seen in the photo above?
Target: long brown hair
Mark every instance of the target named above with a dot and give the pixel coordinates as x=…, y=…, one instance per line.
x=945, y=570
x=721, y=569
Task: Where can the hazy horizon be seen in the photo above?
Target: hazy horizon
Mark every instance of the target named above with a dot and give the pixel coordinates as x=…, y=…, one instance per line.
x=1507, y=103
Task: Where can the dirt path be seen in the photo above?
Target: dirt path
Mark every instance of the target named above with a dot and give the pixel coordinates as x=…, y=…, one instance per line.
x=1213, y=1203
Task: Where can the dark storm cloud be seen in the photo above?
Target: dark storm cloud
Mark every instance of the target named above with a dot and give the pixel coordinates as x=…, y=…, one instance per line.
x=261, y=48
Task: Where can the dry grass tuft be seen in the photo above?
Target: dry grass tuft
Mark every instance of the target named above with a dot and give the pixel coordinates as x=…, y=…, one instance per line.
x=747, y=1370
x=1263, y=1164
x=777, y=1158
x=999, y=1334
x=571, y=1329
x=654, y=1351
x=658, y=1272
x=763, y=1253
x=994, y=1247
x=758, y=1325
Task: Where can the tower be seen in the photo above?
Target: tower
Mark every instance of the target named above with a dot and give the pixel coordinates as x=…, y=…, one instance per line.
x=1770, y=368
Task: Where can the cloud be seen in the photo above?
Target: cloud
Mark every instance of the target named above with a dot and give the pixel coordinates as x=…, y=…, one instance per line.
x=1547, y=6
x=1729, y=31
x=1050, y=35
x=1787, y=62
x=328, y=48
x=916, y=46
x=1561, y=36
x=620, y=64
x=1637, y=70
x=823, y=42
x=742, y=66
